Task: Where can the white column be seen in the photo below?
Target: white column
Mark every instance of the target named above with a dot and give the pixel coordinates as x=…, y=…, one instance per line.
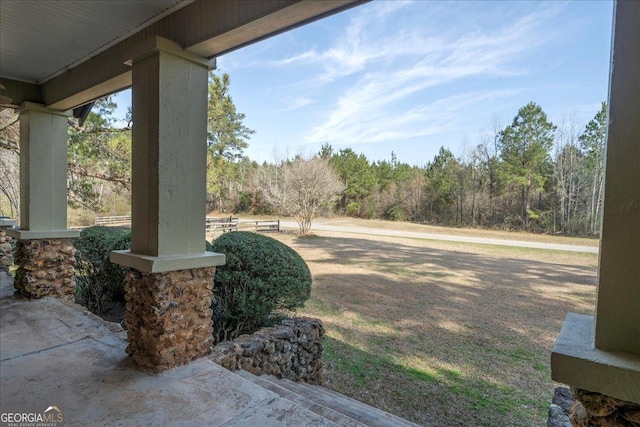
x=169, y=160
x=602, y=354
x=43, y=174
x=618, y=307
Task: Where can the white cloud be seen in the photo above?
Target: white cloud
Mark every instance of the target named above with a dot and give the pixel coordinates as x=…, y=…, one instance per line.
x=358, y=47
x=394, y=69
x=374, y=124
x=292, y=103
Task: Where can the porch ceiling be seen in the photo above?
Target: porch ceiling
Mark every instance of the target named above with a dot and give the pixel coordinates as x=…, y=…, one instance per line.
x=39, y=39
x=65, y=53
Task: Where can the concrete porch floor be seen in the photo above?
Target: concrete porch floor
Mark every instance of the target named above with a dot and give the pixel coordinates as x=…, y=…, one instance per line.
x=56, y=353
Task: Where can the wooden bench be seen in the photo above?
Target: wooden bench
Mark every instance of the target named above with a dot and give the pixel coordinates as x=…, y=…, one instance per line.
x=266, y=226
x=224, y=224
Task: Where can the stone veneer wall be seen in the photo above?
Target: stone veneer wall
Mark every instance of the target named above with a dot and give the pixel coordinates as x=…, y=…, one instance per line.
x=582, y=408
x=168, y=316
x=291, y=350
x=597, y=410
x=45, y=268
x=560, y=408
x=6, y=256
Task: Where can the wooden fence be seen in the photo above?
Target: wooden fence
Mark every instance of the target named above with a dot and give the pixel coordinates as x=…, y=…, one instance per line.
x=224, y=224
x=113, y=220
x=266, y=226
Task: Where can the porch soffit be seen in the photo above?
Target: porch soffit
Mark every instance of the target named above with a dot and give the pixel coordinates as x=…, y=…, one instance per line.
x=41, y=38
x=64, y=54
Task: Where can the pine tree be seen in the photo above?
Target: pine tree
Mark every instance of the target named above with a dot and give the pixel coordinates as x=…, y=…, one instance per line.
x=524, y=149
x=227, y=138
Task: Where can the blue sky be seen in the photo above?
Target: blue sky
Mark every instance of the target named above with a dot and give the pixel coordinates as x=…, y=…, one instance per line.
x=410, y=77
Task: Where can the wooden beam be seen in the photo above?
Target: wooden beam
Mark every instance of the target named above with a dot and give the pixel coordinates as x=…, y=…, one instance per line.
x=20, y=92
x=205, y=28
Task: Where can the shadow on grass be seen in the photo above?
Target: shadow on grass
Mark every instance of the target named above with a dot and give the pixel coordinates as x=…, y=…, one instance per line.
x=483, y=324
x=378, y=380
x=506, y=287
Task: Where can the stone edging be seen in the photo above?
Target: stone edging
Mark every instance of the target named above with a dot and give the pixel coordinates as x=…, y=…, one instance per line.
x=6, y=252
x=291, y=350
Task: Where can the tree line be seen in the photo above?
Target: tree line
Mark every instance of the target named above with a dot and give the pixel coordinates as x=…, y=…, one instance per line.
x=531, y=174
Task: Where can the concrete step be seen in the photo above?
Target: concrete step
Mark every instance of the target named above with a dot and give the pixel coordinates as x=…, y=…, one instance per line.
x=334, y=406
x=272, y=384
x=365, y=414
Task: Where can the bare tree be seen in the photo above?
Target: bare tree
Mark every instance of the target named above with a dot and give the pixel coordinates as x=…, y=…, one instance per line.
x=301, y=188
x=592, y=142
x=9, y=163
x=569, y=175
x=487, y=155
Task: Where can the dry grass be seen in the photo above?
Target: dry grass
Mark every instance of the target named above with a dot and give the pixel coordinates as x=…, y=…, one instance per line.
x=443, y=334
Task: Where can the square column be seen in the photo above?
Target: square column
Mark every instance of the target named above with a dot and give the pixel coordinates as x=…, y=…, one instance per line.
x=169, y=274
x=601, y=355
x=618, y=305
x=168, y=179
x=45, y=253
x=43, y=173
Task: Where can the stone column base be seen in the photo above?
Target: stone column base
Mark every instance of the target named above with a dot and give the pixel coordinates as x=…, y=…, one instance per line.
x=168, y=316
x=6, y=255
x=597, y=410
x=45, y=268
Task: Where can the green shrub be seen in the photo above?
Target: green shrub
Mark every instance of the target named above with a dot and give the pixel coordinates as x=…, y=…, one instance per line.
x=261, y=279
x=114, y=280
x=95, y=243
x=100, y=283
x=396, y=213
x=244, y=202
x=353, y=209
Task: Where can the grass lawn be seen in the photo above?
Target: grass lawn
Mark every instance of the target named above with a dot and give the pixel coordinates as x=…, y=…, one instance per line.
x=443, y=333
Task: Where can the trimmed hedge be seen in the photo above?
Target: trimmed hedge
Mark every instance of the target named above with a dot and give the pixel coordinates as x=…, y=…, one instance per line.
x=95, y=242
x=99, y=282
x=261, y=280
x=113, y=273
